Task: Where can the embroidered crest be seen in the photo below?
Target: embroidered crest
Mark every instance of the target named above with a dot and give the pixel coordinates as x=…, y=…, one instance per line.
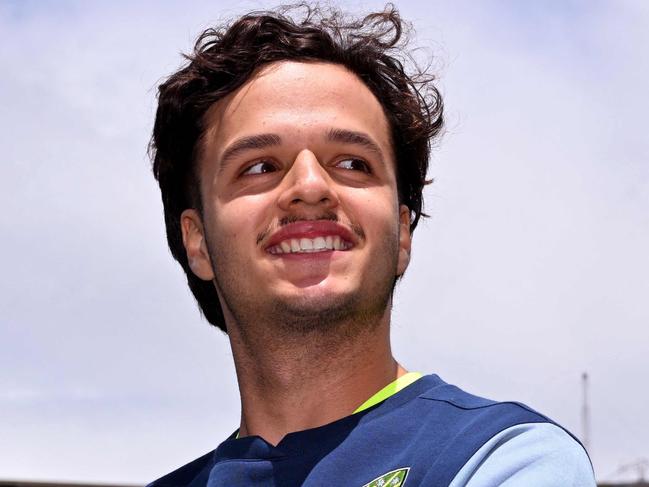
x=394, y=478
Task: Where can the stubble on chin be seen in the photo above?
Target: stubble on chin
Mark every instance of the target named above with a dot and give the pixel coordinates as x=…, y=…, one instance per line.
x=325, y=319
x=313, y=323
x=341, y=316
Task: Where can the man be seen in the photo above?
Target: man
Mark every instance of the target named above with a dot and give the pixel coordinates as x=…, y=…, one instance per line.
x=291, y=156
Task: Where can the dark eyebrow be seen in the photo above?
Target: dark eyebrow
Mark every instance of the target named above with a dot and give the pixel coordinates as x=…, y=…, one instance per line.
x=357, y=138
x=251, y=142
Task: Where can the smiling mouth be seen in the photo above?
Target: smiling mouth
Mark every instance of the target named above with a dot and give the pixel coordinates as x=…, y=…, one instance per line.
x=310, y=245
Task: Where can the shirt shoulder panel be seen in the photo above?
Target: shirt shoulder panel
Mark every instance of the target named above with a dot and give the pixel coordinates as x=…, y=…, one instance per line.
x=539, y=454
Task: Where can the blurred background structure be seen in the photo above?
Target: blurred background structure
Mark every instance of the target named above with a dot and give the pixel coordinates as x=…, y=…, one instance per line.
x=532, y=268
x=9, y=483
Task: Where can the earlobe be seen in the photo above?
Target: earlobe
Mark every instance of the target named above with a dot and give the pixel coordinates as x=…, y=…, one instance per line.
x=195, y=245
x=405, y=240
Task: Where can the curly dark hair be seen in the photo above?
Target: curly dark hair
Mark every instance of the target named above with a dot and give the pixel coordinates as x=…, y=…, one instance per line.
x=224, y=58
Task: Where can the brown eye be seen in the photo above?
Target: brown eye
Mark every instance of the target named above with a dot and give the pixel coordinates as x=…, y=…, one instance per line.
x=353, y=164
x=260, y=167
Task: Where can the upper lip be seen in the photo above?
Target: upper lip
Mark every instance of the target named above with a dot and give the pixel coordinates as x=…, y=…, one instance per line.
x=310, y=229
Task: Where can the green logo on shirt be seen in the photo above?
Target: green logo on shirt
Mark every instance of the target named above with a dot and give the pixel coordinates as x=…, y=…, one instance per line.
x=394, y=478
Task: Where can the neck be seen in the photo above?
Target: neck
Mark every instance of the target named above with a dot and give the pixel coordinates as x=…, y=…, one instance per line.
x=295, y=383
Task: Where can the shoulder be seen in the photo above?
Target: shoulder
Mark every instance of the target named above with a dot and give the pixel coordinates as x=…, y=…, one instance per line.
x=469, y=419
x=489, y=443
x=539, y=454
x=188, y=474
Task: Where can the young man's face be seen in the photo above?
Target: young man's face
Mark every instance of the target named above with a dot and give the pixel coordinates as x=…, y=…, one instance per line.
x=300, y=208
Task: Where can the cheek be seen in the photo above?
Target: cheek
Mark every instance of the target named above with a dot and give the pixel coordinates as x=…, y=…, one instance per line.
x=378, y=213
x=237, y=223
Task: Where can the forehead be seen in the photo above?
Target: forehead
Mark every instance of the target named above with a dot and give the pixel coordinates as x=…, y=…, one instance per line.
x=299, y=101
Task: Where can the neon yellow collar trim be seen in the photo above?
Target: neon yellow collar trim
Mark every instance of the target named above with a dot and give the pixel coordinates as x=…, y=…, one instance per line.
x=389, y=390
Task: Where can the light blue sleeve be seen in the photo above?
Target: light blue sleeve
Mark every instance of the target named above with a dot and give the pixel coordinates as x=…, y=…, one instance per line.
x=532, y=454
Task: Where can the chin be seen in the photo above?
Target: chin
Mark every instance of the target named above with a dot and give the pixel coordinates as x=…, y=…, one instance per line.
x=314, y=299
x=322, y=311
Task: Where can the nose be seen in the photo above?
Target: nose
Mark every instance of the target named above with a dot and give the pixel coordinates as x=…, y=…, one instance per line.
x=307, y=185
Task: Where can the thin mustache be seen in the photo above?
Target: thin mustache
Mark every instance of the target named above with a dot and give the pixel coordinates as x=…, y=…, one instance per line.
x=286, y=220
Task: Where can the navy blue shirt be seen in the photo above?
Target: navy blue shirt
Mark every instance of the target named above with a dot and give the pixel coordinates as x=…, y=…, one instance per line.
x=429, y=434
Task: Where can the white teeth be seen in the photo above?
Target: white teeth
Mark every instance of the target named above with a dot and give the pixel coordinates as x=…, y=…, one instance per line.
x=306, y=245
x=319, y=243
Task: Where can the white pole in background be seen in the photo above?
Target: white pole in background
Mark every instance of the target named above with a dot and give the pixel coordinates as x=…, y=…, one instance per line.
x=585, y=413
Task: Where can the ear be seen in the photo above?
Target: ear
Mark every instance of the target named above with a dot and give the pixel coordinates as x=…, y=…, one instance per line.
x=404, y=240
x=195, y=244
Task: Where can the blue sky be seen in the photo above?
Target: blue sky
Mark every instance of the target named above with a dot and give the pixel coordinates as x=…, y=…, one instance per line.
x=532, y=268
